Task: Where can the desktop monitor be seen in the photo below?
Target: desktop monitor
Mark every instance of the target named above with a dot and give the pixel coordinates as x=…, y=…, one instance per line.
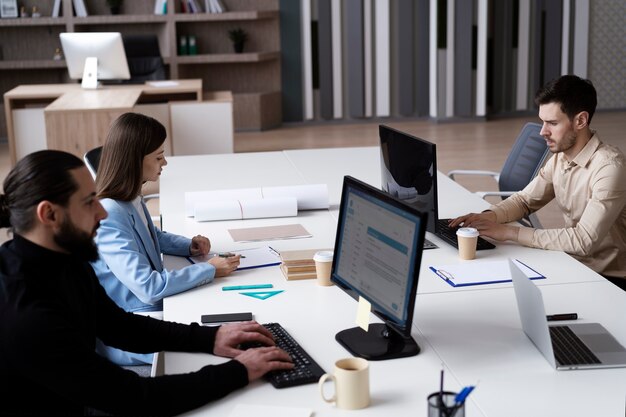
x=378, y=250
x=409, y=170
x=95, y=56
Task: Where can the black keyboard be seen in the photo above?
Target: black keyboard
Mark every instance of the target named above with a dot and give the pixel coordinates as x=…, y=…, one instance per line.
x=448, y=234
x=569, y=349
x=306, y=370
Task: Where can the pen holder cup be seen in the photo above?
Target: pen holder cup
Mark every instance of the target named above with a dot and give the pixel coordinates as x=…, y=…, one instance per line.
x=444, y=405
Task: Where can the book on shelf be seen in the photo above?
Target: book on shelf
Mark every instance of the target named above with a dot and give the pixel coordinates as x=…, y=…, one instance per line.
x=56, y=8
x=160, y=7
x=193, y=6
x=79, y=8
x=219, y=6
x=214, y=6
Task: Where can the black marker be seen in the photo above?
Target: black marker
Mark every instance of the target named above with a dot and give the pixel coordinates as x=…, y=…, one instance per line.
x=561, y=317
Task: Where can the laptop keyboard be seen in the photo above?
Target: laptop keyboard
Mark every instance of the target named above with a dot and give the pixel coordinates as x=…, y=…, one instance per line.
x=448, y=234
x=569, y=349
x=305, y=371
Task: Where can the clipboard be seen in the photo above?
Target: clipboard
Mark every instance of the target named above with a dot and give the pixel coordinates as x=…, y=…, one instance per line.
x=481, y=272
x=250, y=258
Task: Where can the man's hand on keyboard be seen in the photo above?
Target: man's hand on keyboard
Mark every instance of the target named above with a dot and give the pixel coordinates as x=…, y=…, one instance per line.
x=486, y=224
x=259, y=361
x=230, y=336
x=469, y=219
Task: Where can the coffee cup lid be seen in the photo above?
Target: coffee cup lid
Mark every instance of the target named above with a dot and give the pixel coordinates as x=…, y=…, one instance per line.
x=323, y=256
x=467, y=232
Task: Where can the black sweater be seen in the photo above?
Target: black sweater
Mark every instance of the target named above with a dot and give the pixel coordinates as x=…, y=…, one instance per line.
x=52, y=309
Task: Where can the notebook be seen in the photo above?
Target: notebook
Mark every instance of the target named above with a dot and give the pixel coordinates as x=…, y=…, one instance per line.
x=589, y=345
x=409, y=173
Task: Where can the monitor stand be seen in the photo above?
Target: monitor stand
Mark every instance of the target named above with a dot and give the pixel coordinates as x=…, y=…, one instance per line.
x=90, y=73
x=379, y=343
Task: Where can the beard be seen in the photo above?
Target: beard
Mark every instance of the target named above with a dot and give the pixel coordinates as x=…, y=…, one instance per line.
x=567, y=143
x=78, y=243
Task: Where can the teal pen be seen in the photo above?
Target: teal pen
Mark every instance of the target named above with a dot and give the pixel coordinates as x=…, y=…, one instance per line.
x=246, y=287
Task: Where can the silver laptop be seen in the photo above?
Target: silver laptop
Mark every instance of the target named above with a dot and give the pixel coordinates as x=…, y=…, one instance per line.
x=570, y=346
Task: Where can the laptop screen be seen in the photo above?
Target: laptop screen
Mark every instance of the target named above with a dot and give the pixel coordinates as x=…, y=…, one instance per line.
x=409, y=171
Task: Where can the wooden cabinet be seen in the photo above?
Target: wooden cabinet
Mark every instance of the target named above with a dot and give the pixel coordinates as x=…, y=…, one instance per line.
x=27, y=47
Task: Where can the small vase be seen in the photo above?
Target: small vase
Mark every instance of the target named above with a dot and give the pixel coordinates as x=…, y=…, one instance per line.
x=238, y=47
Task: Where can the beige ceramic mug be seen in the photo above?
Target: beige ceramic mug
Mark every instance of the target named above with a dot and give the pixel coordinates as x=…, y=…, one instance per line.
x=352, y=384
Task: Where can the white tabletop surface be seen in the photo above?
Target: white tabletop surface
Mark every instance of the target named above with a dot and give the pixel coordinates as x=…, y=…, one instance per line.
x=473, y=331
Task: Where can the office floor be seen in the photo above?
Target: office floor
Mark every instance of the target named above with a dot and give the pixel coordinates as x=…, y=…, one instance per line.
x=466, y=145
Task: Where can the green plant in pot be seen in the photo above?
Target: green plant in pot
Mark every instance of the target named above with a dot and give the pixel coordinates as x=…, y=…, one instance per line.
x=115, y=6
x=239, y=37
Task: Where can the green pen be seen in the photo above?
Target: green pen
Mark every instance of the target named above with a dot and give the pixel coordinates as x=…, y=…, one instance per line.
x=246, y=287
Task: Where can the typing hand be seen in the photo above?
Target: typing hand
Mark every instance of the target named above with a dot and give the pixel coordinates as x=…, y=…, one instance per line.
x=200, y=245
x=224, y=266
x=230, y=336
x=471, y=219
x=259, y=361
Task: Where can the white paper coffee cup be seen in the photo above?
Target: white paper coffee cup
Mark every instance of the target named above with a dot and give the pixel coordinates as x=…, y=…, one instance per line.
x=467, y=238
x=323, y=263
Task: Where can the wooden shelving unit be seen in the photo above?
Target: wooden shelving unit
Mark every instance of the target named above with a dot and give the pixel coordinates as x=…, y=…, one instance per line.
x=27, y=46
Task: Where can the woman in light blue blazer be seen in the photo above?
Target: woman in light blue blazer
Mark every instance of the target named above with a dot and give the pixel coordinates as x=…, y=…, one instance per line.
x=130, y=246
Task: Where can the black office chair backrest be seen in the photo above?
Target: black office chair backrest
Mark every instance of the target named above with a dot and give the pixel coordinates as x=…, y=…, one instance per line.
x=92, y=160
x=526, y=158
x=144, y=58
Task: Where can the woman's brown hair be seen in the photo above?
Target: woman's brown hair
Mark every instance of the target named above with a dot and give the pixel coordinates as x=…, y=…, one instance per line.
x=132, y=136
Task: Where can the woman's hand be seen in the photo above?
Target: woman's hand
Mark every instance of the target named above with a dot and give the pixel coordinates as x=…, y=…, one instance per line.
x=200, y=245
x=224, y=266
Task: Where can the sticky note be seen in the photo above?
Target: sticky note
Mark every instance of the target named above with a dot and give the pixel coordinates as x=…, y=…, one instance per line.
x=363, y=314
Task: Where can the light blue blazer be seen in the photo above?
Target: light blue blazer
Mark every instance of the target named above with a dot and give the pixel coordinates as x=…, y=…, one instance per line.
x=130, y=267
x=131, y=271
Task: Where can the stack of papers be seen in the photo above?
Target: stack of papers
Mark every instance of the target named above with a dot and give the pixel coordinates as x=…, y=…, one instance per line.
x=481, y=272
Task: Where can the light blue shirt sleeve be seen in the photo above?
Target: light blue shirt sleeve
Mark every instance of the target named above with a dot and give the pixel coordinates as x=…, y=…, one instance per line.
x=130, y=267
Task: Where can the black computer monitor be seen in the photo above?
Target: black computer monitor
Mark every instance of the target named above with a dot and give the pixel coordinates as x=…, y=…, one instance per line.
x=409, y=170
x=378, y=250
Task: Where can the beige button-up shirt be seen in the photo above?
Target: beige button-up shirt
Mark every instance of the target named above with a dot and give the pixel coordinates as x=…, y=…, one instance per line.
x=590, y=190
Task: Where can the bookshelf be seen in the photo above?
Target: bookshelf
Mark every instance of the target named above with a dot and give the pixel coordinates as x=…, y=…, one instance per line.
x=27, y=46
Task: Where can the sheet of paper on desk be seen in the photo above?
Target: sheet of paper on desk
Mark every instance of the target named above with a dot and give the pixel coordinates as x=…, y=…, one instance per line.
x=481, y=272
x=163, y=83
x=255, y=234
x=248, y=410
x=250, y=258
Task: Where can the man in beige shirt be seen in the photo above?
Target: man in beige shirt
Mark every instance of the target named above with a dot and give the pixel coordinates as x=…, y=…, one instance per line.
x=586, y=178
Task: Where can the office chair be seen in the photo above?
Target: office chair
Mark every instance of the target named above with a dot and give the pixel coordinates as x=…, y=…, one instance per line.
x=527, y=156
x=144, y=58
x=92, y=160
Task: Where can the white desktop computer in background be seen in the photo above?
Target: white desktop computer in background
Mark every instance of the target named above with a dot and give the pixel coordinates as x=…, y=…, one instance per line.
x=94, y=56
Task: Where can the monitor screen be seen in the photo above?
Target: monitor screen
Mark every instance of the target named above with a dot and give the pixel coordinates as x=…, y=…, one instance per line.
x=409, y=170
x=106, y=48
x=378, y=250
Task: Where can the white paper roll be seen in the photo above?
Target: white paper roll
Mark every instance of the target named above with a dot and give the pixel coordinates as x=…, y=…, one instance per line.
x=217, y=210
x=192, y=198
x=269, y=207
x=246, y=209
x=310, y=196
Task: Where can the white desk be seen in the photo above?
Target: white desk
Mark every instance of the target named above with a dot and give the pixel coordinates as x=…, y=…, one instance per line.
x=471, y=330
